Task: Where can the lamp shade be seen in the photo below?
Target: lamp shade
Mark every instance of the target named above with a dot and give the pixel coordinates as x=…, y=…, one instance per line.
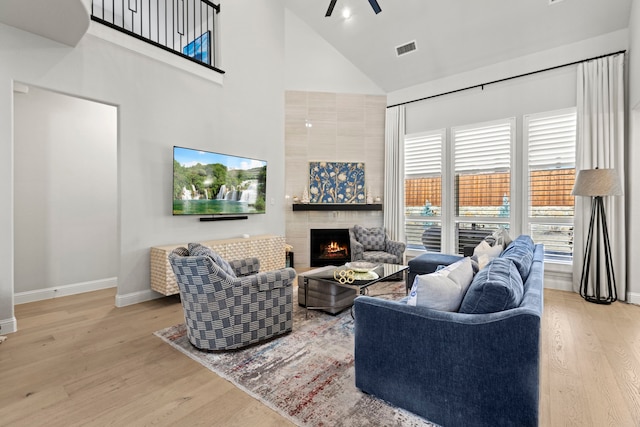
x=597, y=182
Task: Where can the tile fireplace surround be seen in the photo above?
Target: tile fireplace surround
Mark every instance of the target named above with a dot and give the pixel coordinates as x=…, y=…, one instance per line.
x=343, y=128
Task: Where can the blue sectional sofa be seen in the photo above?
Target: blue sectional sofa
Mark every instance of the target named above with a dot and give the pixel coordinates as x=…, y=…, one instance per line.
x=453, y=368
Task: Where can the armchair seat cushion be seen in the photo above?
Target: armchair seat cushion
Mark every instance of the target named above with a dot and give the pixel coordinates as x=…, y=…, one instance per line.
x=381, y=256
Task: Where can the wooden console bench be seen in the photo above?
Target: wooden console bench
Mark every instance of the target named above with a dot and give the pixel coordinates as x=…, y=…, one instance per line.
x=270, y=250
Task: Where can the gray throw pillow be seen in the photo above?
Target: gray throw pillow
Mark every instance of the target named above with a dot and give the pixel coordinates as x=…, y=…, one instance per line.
x=373, y=239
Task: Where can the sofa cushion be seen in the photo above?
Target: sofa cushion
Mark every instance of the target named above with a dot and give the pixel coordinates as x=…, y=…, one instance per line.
x=197, y=249
x=495, y=288
x=444, y=289
x=520, y=251
x=373, y=239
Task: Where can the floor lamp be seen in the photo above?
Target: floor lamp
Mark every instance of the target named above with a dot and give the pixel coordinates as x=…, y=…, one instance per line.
x=598, y=183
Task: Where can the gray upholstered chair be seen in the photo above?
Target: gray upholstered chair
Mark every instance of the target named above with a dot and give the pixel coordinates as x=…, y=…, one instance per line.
x=373, y=245
x=228, y=305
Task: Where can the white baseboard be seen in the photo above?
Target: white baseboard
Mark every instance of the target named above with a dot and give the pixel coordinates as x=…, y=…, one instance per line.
x=65, y=290
x=633, y=298
x=8, y=326
x=136, y=297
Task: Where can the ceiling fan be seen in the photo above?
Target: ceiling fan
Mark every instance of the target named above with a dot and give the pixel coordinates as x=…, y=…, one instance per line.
x=374, y=4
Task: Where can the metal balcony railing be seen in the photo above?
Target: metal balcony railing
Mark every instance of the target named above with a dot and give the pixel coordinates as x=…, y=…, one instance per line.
x=184, y=27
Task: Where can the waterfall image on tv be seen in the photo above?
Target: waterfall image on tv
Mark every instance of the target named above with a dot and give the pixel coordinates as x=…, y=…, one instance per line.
x=207, y=183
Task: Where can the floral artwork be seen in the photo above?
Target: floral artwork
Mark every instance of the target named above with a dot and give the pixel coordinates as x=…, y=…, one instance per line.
x=336, y=182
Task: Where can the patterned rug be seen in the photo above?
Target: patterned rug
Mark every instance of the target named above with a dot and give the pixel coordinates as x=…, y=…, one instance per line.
x=308, y=375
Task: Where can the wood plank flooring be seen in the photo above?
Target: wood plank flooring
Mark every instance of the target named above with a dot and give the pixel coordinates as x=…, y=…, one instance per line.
x=78, y=360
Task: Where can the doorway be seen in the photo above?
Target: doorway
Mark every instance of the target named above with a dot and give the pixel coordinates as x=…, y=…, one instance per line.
x=66, y=235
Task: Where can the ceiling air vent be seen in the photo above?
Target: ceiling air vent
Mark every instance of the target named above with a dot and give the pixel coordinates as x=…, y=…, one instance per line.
x=406, y=48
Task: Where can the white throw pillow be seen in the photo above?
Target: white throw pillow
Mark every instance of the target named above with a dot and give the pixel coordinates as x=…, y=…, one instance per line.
x=444, y=289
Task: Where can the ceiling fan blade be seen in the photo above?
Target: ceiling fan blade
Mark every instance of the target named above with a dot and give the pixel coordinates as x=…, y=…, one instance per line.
x=376, y=7
x=331, y=6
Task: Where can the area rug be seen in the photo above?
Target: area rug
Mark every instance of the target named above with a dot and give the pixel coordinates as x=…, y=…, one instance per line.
x=307, y=375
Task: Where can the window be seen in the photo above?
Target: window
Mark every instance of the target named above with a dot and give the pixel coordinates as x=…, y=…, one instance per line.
x=423, y=189
x=551, y=146
x=454, y=203
x=482, y=180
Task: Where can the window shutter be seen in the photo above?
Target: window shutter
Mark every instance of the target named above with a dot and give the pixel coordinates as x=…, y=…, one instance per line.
x=423, y=188
x=423, y=172
x=551, y=142
x=423, y=155
x=552, y=151
x=482, y=163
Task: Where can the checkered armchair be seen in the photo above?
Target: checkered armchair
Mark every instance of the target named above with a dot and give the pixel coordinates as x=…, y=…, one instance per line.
x=229, y=305
x=373, y=245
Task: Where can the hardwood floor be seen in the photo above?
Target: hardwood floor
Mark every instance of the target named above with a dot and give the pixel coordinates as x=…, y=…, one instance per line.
x=78, y=360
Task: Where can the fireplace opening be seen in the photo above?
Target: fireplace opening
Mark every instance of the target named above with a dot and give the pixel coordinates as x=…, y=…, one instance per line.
x=330, y=247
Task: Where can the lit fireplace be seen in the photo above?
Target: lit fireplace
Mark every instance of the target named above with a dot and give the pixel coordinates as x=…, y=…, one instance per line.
x=329, y=247
x=334, y=250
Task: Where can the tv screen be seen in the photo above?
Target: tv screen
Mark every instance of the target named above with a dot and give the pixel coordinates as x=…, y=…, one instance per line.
x=199, y=48
x=206, y=183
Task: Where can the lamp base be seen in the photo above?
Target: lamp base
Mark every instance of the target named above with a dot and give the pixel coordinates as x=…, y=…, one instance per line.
x=603, y=301
x=598, y=218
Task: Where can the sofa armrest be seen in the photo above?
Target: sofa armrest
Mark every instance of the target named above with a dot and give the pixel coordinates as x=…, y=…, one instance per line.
x=245, y=267
x=269, y=280
x=451, y=368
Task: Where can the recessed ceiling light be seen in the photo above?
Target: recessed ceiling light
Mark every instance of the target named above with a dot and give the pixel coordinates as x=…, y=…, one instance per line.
x=346, y=13
x=551, y=2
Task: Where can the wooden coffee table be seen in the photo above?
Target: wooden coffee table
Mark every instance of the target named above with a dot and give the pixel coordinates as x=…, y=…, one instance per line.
x=326, y=276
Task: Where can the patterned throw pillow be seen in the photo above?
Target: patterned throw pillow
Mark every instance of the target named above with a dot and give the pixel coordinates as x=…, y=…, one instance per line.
x=373, y=239
x=197, y=249
x=501, y=238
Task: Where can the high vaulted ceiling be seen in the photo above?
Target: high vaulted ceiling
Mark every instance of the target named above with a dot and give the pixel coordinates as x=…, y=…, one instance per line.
x=454, y=36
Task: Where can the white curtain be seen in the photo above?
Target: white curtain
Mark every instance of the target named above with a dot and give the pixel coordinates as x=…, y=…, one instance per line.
x=600, y=144
x=394, y=173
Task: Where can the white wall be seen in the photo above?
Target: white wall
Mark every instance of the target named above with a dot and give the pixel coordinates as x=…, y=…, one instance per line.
x=65, y=192
x=578, y=51
x=313, y=65
x=159, y=106
x=633, y=154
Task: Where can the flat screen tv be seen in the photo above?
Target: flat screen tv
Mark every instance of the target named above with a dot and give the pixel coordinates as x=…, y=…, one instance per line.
x=199, y=48
x=207, y=183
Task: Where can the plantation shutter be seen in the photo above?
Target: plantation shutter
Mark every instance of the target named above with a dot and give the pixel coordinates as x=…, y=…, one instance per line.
x=423, y=188
x=482, y=163
x=552, y=152
x=423, y=155
x=423, y=169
